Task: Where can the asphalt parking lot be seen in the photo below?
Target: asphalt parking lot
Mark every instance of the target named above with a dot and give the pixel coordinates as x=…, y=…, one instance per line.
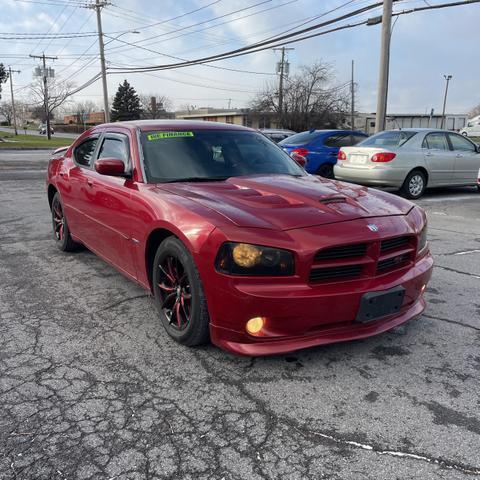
x=92, y=388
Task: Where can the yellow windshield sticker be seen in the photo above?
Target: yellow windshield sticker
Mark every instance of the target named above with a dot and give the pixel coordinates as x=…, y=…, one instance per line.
x=162, y=135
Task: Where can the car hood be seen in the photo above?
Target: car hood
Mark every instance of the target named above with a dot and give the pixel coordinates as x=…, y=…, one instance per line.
x=284, y=202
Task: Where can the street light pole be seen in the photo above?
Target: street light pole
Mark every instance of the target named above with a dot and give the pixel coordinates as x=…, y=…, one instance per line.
x=10, y=71
x=384, y=66
x=447, y=78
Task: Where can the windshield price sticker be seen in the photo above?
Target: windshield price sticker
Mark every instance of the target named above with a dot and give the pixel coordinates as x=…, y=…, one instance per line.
x=162, y=135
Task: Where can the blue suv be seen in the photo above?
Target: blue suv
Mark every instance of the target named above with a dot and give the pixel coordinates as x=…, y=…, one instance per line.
x=320, y=148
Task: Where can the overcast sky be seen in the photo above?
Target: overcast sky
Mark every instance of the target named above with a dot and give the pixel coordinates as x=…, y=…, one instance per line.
x=425, y=46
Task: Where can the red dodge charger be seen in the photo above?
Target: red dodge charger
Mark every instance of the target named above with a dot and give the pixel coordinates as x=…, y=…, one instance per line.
x=235, y=241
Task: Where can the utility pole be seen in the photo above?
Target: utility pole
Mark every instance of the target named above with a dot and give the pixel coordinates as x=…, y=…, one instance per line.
x=447, y=78
x=384, y=66
x=46, y=73
x=282, y=71
x=10, y=71
x=98, y=5
x=352, y=113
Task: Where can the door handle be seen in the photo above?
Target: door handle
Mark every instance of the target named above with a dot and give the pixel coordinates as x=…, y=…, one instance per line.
x=459, y=155
x=90, y=183
x=428, y=154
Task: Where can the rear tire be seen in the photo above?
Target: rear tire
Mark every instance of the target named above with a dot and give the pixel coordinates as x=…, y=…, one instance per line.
x=178, y=294
x=61, y=232
x=414, y=185
x=326, y=171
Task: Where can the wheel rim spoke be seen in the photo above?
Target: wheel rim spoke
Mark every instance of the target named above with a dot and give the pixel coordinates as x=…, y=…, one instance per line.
x=174, y=290
x=168, y=299
x=58, y=221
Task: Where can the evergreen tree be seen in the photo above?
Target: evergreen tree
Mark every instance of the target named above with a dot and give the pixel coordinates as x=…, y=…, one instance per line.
x=126, y=104
x=3, y=77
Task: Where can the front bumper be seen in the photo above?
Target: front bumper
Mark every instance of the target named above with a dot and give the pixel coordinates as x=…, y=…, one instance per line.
x=299, y=319
x=300, y=312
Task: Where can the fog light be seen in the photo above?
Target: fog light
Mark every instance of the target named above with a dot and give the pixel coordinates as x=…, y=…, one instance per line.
x=254, y=325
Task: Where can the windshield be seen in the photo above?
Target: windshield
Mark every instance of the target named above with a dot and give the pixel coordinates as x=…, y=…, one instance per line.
x=300, y=138
x=201, y=155
x=388, y=139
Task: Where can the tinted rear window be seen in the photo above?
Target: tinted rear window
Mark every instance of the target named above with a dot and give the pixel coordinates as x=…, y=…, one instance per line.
x=300, y=138
x=388, y=139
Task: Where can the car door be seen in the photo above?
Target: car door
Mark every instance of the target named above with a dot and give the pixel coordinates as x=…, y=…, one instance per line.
x=439, y=158
x=74, y=188
x=110, y=215
x=467, y=159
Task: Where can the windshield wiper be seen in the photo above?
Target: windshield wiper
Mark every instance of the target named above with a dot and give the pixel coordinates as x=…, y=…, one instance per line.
x=197, y=179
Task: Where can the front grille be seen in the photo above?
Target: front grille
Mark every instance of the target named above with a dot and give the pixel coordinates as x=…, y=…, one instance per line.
x=394, y=262
x=362, y=260
x=329, y=273
x=394, y=244
x=345, y=251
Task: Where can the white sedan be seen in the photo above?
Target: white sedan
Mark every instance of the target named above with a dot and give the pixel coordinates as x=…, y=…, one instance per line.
x=411, y=160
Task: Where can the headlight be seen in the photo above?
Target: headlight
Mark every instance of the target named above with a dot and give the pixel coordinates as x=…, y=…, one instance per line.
x=422, y=240
x=246, y=259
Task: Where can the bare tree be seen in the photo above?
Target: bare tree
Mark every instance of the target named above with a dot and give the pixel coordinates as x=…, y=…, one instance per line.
x=309, y=99
x=83, y=109
x=474, y=112
x=6, y=110
x=58, y=94
x=155, y=106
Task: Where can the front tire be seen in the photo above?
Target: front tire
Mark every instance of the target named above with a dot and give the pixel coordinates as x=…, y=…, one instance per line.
x=178, y=294
x=61, y=232
x=414, y=185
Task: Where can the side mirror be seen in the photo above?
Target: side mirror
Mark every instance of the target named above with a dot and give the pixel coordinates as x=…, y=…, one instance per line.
x=300, y=159
x=110, y=166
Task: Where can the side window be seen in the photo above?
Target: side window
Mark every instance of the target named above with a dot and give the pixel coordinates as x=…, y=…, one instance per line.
x=436, y=141
x=357, y=139
x=84, y=152
x=460, y=143
x=338, y=141
x=114, y=147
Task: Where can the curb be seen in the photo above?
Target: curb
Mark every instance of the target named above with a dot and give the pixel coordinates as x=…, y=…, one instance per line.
x=13, y=149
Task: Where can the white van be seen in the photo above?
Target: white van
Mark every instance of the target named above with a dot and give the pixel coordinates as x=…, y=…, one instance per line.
x=473, y=127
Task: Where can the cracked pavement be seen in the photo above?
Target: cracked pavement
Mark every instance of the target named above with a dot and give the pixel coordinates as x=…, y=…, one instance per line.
x=91, y=387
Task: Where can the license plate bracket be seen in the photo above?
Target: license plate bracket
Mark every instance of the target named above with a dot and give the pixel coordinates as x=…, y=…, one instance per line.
x=375, y=305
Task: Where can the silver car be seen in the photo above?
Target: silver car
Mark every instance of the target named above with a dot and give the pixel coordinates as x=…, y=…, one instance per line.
x=410, y=159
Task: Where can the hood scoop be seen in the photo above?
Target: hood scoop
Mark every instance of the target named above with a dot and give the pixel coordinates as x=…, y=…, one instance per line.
x=337, y=199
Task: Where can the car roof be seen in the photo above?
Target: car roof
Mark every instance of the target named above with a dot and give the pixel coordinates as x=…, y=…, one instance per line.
x=276, y=130
x=148, y=125
x=423, y=129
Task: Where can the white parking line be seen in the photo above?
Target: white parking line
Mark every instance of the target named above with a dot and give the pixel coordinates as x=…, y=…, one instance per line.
x=450, y=199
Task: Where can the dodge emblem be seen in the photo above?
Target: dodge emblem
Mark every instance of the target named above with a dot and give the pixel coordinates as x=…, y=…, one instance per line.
x=372, y=227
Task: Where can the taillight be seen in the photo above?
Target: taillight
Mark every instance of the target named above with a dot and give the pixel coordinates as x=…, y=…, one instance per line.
x=384, y=157
x=341, y=155
x=301, y=151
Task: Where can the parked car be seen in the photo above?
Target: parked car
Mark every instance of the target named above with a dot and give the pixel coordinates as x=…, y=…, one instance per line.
x=42, y=129
x=234, y=240
x=473, y=128
x=412, y=160
x=277, y=134
x=320, y=148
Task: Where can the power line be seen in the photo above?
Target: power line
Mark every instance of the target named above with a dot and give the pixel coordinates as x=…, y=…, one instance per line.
x=265, y=42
